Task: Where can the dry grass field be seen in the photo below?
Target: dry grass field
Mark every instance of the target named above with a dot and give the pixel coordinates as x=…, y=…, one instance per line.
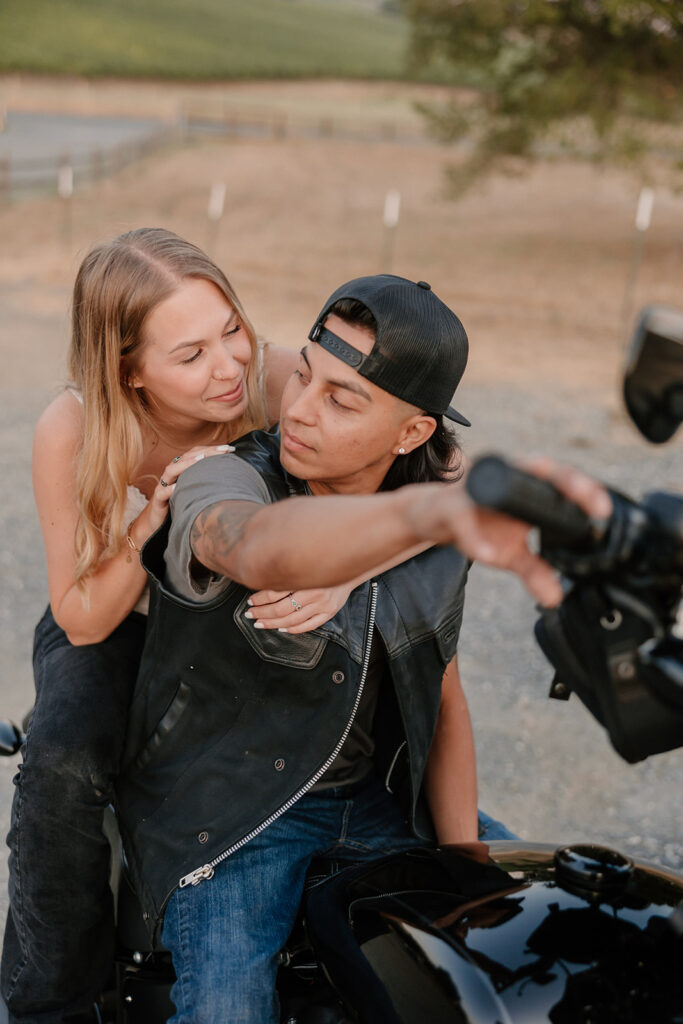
x=536, y=265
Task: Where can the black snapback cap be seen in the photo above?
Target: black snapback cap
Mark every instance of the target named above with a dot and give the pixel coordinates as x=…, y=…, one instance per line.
x=420, y=350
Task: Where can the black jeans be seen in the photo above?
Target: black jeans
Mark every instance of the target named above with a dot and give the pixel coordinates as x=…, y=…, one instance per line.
x=58, y=943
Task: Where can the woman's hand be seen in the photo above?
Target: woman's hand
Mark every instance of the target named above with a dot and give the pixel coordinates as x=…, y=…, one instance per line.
x=297, y=612
x=157, y=507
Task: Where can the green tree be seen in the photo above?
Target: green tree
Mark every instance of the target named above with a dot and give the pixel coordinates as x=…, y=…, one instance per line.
x=601, y=77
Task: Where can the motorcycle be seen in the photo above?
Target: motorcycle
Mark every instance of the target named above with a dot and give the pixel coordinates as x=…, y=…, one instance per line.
x=508, y=931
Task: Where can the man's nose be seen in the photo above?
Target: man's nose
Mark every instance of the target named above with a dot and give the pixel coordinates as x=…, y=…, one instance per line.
x=305, y=406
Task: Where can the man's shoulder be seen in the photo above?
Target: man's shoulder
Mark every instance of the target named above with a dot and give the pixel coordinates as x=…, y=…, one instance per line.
x=261, y=450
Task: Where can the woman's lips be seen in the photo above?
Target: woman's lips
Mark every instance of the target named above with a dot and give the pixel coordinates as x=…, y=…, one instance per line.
x=230, y=396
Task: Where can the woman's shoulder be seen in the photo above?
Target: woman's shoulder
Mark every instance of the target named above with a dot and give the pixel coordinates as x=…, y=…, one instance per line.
x=278, y=366
x=277, y=359
x=61, y=424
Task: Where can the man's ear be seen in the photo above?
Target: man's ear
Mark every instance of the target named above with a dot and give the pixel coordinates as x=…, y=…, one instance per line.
x=414, y=431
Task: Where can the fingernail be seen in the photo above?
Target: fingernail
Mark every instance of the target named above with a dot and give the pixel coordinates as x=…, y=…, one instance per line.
x=281, y=629
x=249, y=615
x=249, y=602
x=259, y=625
x=198, y=457
x=225, y=448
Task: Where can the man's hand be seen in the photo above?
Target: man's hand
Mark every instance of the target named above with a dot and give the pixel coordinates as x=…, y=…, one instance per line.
x=497, y=540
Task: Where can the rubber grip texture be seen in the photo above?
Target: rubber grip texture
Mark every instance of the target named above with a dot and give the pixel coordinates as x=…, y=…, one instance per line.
x=495, y=484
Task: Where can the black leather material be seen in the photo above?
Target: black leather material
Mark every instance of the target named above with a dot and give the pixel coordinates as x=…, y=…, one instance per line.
x=226, y=725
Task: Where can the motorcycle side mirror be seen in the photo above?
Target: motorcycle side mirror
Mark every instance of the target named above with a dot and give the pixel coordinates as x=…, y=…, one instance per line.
x=11, y=738
x=653, y=378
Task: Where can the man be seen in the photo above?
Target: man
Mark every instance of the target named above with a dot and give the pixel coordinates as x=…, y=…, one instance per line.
x=252, y=751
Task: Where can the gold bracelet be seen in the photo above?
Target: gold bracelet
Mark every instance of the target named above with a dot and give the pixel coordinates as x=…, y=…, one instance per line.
x=131, y=543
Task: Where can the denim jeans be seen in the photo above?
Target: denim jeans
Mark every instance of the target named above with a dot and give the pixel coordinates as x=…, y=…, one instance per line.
x=59, y=935
x=225, y=933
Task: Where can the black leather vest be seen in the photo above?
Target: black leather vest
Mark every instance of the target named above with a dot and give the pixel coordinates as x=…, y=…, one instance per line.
x=230, y=725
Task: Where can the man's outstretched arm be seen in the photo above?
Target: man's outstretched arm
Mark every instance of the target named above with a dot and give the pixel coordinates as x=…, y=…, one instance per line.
x=325, y=541
x=306, y=541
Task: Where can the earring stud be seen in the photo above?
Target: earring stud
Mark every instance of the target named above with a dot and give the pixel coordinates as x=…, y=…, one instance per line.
x=401, y=451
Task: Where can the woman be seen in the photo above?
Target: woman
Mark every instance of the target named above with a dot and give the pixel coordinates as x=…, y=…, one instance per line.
x=165, y=369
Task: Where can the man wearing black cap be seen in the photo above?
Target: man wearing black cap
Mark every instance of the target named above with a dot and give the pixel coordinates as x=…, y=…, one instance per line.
x=253, y=751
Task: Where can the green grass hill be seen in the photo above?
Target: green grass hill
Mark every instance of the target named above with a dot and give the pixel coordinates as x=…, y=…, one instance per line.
x=205, y=39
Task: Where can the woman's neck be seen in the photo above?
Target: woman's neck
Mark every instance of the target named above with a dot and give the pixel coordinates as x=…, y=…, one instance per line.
x=182, y=436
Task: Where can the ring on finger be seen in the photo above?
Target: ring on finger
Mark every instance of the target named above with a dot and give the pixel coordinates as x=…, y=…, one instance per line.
x=176, y=459
x=164, y=483
x=295, y=604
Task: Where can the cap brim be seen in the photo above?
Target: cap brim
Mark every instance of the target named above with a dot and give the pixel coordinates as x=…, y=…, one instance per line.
x=453, y=414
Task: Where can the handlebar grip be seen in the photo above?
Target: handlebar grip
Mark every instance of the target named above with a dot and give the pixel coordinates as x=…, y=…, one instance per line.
x=494, y=483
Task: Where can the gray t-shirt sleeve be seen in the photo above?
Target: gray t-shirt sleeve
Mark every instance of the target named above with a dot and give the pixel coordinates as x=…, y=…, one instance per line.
x=217, y=478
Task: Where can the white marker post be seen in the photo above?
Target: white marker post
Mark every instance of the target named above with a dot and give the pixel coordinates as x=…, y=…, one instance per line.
x=65, y=191
x=392, y=211
x=646, y=202
x=215, y=212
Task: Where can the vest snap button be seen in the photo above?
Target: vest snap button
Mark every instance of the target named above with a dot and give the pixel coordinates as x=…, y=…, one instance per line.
x=279, y=764
x=338, y=677
x=203, y=837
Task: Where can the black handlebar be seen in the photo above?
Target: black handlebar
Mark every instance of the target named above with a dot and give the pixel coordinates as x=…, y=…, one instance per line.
x=495, y=484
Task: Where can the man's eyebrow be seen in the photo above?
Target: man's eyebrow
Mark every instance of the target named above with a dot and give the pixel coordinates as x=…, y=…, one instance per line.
x=199, y=341
x=347, y=385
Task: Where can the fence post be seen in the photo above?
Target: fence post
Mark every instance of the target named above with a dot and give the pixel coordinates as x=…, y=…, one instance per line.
x=646, y=201
x=5, y=181
x=65, y=191
x=392, y=210
x=214, y=213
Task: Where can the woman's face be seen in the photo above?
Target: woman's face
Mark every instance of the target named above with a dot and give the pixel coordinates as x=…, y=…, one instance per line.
x=194, y=357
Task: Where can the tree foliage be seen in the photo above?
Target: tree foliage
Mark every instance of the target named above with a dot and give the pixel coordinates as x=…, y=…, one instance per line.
x=597, y=76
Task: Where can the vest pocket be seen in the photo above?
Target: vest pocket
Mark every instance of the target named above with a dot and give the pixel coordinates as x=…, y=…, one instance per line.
x=167, y=723
x=302, y=650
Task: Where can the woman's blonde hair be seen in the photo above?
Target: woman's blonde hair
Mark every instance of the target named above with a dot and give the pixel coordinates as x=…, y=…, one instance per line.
x=118, y=285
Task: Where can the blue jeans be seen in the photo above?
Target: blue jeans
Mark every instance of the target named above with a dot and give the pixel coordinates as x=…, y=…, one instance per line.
x=59, y=938
x=225, y=934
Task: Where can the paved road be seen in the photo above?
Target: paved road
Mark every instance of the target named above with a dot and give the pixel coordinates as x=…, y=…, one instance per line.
x=545, y=767
x=35, y=144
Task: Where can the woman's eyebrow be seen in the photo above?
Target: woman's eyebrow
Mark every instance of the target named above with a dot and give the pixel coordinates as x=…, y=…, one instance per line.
x=198, y=341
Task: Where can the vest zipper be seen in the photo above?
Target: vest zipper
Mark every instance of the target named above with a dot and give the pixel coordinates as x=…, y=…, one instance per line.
x=207, y=870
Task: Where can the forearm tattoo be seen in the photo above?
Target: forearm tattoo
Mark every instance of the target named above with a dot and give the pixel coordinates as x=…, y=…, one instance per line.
x=218, y=530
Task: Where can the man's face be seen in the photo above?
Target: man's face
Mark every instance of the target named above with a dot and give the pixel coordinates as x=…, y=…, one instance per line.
x=339, y=431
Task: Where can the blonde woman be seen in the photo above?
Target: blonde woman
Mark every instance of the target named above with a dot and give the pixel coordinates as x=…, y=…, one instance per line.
x=165, y=369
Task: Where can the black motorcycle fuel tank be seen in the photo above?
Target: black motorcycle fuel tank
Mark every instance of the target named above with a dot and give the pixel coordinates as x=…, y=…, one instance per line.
x=502, y=934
